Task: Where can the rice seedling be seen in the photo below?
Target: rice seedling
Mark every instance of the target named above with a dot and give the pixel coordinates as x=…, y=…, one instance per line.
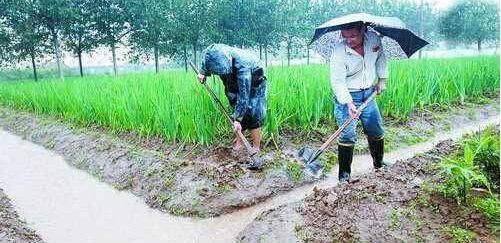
x=173, y=105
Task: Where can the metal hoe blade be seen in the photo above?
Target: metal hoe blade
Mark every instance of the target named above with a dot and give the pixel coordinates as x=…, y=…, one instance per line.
x=310, y=160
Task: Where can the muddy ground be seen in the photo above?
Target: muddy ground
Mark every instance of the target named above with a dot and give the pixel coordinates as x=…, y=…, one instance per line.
x=397, y=205
x=200, y=181
x=12, y=228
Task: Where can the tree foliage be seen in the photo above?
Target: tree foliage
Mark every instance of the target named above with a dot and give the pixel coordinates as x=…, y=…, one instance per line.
x=471, y=22
x=179, y=29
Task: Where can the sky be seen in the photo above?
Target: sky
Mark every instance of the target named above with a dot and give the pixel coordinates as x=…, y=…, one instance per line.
x=445, y=4
x=439, y=4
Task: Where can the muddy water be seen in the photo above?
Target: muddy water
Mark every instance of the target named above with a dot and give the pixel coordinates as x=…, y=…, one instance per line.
x=68, y=205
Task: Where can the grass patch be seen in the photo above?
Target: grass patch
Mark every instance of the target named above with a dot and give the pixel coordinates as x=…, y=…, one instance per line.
x=223, y=188
x=168, y=181
x=467, y=168
x=459, y=235
x=394, y=219
x=329, y=161
x=295, y=170
x=489, y=207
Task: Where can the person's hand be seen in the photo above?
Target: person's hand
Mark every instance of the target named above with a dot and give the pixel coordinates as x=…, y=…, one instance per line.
x=352, y=109
x=237, y=126
x=201, y=78
x=380, y=86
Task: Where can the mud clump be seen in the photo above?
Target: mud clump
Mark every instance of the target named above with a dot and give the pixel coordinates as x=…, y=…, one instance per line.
x=389, y=206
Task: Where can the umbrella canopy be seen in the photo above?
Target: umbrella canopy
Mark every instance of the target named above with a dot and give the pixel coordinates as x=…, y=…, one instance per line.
x=397, y=41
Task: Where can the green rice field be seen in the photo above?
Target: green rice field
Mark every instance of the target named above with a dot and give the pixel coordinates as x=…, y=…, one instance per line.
x=175, y=106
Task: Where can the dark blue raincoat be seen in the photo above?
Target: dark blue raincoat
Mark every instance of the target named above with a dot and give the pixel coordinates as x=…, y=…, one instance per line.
x=243, y=79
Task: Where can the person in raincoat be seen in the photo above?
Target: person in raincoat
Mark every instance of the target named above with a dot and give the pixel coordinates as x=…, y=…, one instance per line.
x=244, y=84
x=358, y=68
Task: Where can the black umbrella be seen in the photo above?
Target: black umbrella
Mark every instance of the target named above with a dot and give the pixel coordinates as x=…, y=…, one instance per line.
x=401, y=42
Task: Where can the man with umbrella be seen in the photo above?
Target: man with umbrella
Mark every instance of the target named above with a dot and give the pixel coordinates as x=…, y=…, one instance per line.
x=359, y=68
x=356, y=63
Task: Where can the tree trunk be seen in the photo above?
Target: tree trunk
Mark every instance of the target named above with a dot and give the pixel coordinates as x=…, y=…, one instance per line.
x=57, y=50
x=113, y=53
x=195, y=53
x=33, y=64
x=479, y=45
x=288, y=53
x=155, y=50
x=421, y=27
x=307, y=55
x=266, y=55
x=185, y=57
x=260, y=52
x=80, y=63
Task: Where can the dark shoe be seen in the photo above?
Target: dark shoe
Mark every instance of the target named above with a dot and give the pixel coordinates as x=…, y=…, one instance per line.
x=255, y=163
x=344, y=177
x=376, y=147
x=254, y=166
x=345, y=157
x=384, y=167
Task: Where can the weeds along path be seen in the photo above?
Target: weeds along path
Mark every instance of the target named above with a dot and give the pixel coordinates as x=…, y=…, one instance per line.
x=64, y=204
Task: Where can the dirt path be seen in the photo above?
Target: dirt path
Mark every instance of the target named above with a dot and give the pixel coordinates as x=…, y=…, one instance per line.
x=68, y=205
x=392, y=206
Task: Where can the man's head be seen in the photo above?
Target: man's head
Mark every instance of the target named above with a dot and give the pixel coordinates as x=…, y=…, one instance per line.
x=216, y=60
x=353, y=34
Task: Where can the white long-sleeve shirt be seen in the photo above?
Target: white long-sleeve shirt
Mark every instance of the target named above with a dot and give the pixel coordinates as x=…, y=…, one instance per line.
x=350, y=71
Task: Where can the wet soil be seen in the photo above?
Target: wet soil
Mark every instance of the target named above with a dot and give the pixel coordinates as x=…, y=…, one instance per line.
x=12, y=228
x=397, y=205
x=213, y=182
x=204, y=181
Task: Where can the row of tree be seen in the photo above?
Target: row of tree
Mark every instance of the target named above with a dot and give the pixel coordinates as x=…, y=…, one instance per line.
x=31, y=29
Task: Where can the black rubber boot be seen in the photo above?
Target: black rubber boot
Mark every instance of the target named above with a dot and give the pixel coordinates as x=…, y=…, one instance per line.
x=376, y=147
x=345, y=157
